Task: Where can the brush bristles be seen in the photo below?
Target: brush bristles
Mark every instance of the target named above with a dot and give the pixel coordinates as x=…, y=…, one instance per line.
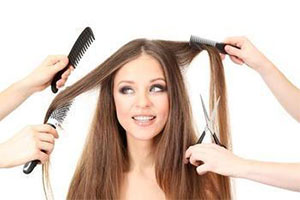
x=198, y=40
x=60, y=113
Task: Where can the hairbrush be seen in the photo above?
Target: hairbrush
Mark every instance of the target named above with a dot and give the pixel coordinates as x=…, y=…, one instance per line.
x=55, y=120
x=82, y=43
x=195, y=41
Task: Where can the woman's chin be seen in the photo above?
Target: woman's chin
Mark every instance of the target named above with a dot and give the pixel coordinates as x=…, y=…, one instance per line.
x=142, y=135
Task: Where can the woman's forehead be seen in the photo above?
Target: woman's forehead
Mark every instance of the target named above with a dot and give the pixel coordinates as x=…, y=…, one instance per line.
x=144, y=67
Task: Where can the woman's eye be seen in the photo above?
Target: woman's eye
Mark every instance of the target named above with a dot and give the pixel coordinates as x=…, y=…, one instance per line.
x=158, y=88
x=126, y=90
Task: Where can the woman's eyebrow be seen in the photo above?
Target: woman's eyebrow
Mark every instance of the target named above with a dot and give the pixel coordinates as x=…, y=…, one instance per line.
x=132, y=82
x=157, y=79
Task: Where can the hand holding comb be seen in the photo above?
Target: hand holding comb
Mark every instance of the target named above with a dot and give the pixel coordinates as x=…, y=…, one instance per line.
x=84, y=40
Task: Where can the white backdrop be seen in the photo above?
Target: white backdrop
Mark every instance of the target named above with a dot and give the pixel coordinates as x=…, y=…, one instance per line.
x=261, y=129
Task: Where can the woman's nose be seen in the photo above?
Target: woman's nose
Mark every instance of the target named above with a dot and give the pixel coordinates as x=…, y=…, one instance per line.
x=143, y=100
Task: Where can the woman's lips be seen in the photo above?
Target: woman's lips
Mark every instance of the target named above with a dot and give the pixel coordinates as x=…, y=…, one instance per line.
x=144, y=120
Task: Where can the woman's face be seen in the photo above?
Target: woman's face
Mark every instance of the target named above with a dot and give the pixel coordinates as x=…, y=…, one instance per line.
x=141, y=98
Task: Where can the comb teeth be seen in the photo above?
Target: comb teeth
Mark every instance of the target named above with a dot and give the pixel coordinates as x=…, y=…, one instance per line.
x=60, y=113
x=194, y=40
x=81, y=45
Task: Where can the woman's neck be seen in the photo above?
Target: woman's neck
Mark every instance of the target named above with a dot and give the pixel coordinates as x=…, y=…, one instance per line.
x=140, y=153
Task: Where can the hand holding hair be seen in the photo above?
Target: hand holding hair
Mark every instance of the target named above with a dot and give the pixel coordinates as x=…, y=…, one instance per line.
x=247, y=54
x=31, y=143
x=286, y=93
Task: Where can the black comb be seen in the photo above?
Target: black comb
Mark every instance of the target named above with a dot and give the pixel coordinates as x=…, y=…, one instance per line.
x=84, y=40
x=55, y=120
x=194, y=41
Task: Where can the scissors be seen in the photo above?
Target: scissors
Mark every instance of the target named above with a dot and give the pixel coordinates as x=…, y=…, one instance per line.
x=210, y=123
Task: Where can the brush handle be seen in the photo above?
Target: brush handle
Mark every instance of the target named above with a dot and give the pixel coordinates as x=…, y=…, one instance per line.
x=29, y=166
x=221, y=47
x=57, y=77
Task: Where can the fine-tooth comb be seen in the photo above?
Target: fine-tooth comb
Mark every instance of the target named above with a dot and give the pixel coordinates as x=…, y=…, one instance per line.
x=195, y=40
x=84, y=40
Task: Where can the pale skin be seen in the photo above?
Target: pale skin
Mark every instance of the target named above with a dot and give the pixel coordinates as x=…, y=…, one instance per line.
x=28, y=143
x=221, y=161
x=140, y=89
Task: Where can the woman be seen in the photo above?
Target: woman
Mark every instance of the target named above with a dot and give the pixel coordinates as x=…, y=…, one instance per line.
x=143, y=125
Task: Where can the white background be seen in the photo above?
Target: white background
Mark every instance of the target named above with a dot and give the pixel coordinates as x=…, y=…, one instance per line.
x=261, y=129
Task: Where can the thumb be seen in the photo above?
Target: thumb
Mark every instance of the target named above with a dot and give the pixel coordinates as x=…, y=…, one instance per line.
x=233, y=51
x=202, y=169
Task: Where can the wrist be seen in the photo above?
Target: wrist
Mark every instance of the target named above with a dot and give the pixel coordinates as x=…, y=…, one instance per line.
x=242, y=168
x=24, y=87
x=266, y=69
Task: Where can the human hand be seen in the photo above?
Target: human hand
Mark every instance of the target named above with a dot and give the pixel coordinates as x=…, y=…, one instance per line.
x=42, y=76
x=34, y=142
x=213, y=158
x=247, y=53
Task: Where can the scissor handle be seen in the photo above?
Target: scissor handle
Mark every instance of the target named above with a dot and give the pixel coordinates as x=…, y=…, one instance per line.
x=217, y=141
x=201, y=138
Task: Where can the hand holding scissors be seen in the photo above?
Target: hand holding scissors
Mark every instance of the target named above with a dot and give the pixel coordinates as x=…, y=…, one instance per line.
x=210, y=123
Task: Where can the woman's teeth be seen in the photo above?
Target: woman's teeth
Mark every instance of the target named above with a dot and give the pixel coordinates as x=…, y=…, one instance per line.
x=143, y=118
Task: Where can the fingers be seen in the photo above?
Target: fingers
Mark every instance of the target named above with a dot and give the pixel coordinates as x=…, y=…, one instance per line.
x=188, y=154
x=196, y=160
x=45, y=146
x=53, y=59
x=222, y=56
x=202, y=156
x=235, y=54
x=55, y=63
x=195, y=155
x=42, y=157
x=66, y=74
x=60, y=64
x=200, y=153
x=236, y=60
x=236, y=41
x=61, y=82
x=202, y=169
x=46, y=138
x=45, y=128
x=233, y=51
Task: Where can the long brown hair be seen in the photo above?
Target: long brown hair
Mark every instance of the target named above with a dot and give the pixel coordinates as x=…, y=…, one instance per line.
x=98, y=176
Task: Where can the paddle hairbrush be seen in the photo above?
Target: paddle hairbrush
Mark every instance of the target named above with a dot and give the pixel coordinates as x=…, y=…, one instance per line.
x=55, y=120
x=84, y=40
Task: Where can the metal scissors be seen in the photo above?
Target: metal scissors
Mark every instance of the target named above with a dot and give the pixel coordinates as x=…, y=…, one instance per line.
x=210, y=123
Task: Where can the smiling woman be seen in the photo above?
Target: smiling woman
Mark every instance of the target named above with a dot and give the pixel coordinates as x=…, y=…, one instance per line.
x=143, y=126
x=142, y=104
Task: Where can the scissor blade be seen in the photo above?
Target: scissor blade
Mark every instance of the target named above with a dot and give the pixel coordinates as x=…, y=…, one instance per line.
x=214, y=113
x=205, y=112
